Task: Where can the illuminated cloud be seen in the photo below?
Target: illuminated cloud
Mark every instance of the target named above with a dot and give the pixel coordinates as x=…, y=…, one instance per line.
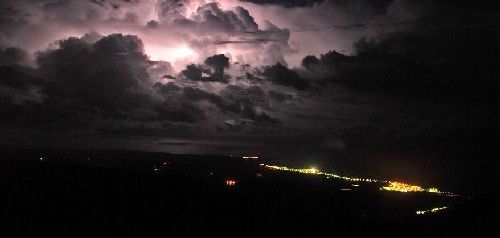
x=282, y=76
x=176, y=31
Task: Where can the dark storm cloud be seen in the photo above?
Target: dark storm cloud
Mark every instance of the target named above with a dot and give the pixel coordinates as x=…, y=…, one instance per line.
x=196, y=94
x=242, y=99
x=110, y=4
x=210, y=26
x=212, y=70
x=430, y=81
x=193, y=72
x=152, y=24
x=279, y=96
x=89, y=85
x=245, y=101
x=254, y=41
x=171, y=10
x=247, y=19
x=166, y=24
x=166, y=89
x=12, y=55
x=177, y=109
x=211, y=16
x=237, y=100
x=106, y=85
x=16, y=77
x=208, y=16
x=350, y=27
x=168, y=76
x=280, y=74
x=96, y=74
x=327, y=64
x=378, y=6
x=426, y=61
x=425, y=68
x=218, y=63
x=18, y=83
x=285, y=3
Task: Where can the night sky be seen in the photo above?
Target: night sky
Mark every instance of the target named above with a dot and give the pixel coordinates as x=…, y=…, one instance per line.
x=388, y=87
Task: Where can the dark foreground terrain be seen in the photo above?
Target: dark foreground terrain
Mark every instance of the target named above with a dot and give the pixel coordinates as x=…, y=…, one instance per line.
x=79, y=193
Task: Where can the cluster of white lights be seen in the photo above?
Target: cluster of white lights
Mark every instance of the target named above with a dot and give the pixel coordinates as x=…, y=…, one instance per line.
x=433, y=210
x=318, y=172
x=250, y=157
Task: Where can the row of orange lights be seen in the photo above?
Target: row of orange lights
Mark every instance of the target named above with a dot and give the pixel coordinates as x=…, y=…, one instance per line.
x=230, y=182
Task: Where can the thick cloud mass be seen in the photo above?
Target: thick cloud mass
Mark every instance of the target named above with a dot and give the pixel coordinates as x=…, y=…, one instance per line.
x=309, y=79
x=218, y=63
x=171, y=10
x=87, y=85
x=424, y=61
x=285, y=3
x=280, y=74
x=12, y=55
x=212, y=70
x=377, y=5
x=205, y=26
x=212, y=17
x=102, y=74
x=105, y=85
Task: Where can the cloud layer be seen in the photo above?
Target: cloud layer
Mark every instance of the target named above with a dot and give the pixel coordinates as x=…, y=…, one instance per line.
x=108, y=85
x=305, y=79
